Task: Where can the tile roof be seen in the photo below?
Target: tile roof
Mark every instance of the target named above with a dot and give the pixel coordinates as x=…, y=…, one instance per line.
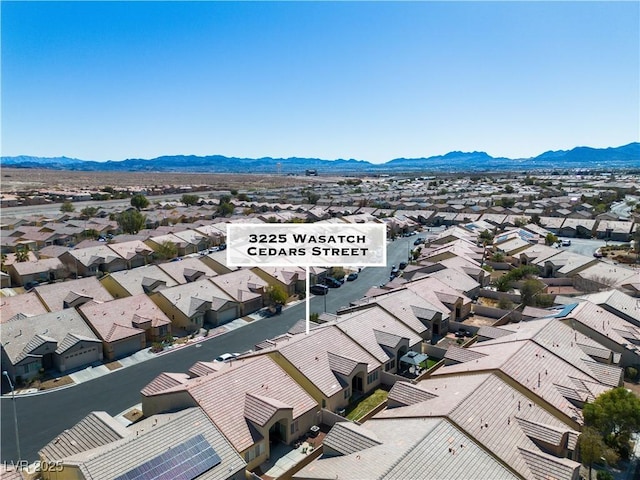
x=374, y=329
x=242, y=285
x=347, y=438
x=150, y=439
x=197, y=296
x=27, y=303
x=310, y=355
x=53, y=295
x=260, y=409
x=94, y=430
x=424, y=448
x=493, y=413
x=114, y=320
x=187, y=270
x=163, y=382
x=20, y=336
x=223, y=396
x=135, y=280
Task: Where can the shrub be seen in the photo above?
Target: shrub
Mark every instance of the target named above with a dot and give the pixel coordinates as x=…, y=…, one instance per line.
x=604, y=475
x=631, y=373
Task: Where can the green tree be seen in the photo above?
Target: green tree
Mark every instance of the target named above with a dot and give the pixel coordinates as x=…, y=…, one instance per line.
x=535, y=219
x=166, y=250
x=509, y=189
x=503, y=283
x=22, y=254
x=550, y=239
x=139, y=201
x=487, y=237
x=190, y=199
x=131, y=221
x=3, y=261
x=593, y=448
x=528, y=291
x=497, y=257
x=88, y=212
x=277, y=295
x=615, y=414
x=312, y=198
x=337, y=272
x=225, y=209
x=234, y=192
x=67, y=207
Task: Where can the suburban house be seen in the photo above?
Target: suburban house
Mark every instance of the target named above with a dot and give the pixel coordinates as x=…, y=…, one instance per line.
x=27, y=304
x=135, y=253
x=618, y=303
x=73, y=293
x=290, y=278
x=149, y=279
x=177, y=444
x=190, y=305
x=406, y=448
x=217, y=261
x=614, y=230
x=384, y=336
x=45, y=270
x=610, y=330
x=189, y=269
x=245, y=287
x=604, y=276
x=253, y=401
x=183, y=247
x=89, y=261
x=542, y=359
x=328, y=364
x=119, y=325
x=521, y=435
x=56, y=340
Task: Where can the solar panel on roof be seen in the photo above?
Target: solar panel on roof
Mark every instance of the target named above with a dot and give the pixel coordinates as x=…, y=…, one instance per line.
x=185, y=461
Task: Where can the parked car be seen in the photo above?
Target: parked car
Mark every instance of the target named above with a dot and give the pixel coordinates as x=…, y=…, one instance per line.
x=227, y=357
x=222, y=247
x=394, y=272
x=402, y=265
x=566, y=243
x=332, y=282
x=31, y=284
x=598, y=253
x=352, y=276
x=319, y=289
x=418, y=241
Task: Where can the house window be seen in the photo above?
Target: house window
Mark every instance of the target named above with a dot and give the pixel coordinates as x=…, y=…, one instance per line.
x=346, y=393
x=255, y=452
x=31, y=367
x=294, y=427
x=324, y=403
x=372, y=377
x=390, y=365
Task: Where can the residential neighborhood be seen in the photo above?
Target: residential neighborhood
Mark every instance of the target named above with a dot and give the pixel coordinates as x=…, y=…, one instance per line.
x=499, y=318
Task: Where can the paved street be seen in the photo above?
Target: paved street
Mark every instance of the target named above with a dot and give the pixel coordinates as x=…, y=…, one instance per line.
x=42, y=416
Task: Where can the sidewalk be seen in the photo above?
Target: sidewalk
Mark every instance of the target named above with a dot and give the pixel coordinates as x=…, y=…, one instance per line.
x=92, y=372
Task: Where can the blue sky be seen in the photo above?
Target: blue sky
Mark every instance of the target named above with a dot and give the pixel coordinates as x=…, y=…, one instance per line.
x=365, y=80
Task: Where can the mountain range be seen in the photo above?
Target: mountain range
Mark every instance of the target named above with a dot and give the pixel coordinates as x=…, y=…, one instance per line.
x=579, y=158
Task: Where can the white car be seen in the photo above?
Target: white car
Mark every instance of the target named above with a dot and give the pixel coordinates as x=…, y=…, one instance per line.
x=226, y=357
x=566, y=243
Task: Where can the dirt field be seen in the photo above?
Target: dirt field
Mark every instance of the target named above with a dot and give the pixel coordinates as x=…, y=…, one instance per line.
x=19, y=179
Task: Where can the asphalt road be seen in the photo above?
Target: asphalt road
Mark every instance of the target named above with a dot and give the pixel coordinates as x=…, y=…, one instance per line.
x=43, y=416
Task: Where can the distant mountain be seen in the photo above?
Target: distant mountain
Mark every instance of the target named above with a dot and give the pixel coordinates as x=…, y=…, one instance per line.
x=626, y=156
